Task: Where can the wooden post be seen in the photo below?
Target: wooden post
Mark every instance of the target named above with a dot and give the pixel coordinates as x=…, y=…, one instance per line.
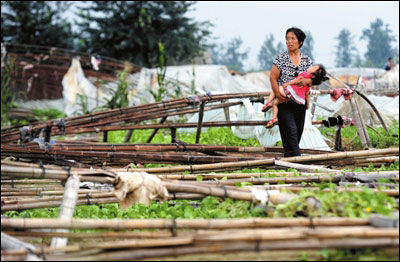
x=67, y=206
x=173, y=134
x=362, y=123
x=128, y=135
x=105, y=135
x=358, y=125
x=362, y=132
x=338, y=139
x=156, y=130
x=200, y=122
x=226, y=112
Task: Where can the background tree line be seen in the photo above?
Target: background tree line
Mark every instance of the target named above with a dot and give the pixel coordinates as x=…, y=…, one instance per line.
x=132, y=31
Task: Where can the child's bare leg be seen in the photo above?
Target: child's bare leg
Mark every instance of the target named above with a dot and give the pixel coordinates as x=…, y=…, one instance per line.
x=267, y=105
x=275, y=104
x=273, y=120
x=271, y=96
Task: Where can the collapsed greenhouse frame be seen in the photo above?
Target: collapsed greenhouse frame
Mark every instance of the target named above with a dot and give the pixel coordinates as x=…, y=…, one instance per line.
x=64, y=165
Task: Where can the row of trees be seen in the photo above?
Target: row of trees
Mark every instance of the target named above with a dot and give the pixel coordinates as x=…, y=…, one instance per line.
x=379, y=48
x=133, y=31
x=127, y=30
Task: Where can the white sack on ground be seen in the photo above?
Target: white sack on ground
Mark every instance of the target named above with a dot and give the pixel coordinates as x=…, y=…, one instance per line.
x=138, y=187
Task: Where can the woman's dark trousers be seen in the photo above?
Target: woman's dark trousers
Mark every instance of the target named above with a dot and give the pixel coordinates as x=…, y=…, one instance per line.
x=291, y=124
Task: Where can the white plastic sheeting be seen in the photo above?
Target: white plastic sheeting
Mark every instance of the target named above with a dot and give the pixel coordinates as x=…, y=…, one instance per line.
x=388, y=80
x=190, y=80
x=311, y=138
x=74, y=82
x=356, y=71
x=388, y=107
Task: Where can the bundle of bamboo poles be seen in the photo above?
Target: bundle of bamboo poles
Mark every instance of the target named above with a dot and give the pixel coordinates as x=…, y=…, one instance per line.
x=15, y=197
x=315, y=158
x=144, y=153
x=203, y=148
x=115, y=157
x=185, y=236
x=201, y=235
x=128, y=114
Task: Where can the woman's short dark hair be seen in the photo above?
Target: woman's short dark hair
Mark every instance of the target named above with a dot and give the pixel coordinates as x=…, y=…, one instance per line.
x=319, y=75
x=301, y=36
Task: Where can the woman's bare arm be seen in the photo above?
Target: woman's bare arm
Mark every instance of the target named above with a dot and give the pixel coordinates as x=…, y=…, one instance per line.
x=273, y=78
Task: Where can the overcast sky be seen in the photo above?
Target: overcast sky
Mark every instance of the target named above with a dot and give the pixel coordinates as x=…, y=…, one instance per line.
x=254, y=20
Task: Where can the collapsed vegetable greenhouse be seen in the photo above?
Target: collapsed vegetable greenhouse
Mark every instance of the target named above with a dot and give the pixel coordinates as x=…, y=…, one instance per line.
x=309, y=202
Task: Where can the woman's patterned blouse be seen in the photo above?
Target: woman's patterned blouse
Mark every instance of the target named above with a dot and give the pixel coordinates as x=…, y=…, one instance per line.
x=288, y=71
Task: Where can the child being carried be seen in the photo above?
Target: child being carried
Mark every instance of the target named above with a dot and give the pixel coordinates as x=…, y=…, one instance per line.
x=299, y=94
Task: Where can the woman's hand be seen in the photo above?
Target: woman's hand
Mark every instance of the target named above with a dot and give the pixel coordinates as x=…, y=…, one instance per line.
x=281, y=98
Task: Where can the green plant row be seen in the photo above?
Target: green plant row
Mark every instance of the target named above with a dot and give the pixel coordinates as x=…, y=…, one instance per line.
x=336, y=204
x=378, y=136
x=213, y=136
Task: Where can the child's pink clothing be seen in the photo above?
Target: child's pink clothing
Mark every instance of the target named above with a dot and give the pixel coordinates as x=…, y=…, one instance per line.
x=298, y=93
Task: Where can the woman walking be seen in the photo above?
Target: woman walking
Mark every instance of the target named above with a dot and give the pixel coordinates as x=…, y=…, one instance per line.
x=286, y=67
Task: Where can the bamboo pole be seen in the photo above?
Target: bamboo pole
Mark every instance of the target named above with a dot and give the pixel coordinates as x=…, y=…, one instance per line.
x=200, y=122
x=61, y=174
x=49, y=204
x=55, y=198
x=15, y=182
x=67, y=206
x=212, y=191
x=374, y=109
x=305, y=167
x=83, y=146
x=235, y=246
x=121, y=157
x=255, y=163
x=389, y=192
x=156, y=130
x=207, y=176
x=175, y=125
x=296, y=233
x=233, y=235
x=358, y=122
x=37, y=223
x=90, y=235
x=367, y=100
x=146, y=116
x=362, y=122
